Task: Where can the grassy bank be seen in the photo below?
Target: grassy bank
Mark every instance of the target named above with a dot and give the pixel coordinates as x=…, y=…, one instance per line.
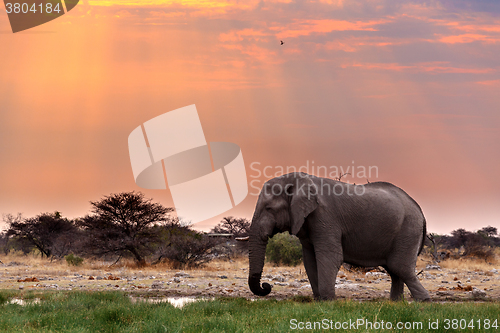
x=114, y=312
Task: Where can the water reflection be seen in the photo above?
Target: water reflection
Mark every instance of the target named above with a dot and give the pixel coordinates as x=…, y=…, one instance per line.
x=177, y=302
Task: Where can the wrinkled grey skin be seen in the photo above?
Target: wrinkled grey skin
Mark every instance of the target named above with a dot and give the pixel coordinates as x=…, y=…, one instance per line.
x=381, y=227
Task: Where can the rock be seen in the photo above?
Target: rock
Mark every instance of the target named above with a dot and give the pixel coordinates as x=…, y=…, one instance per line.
x=222, y=277
x=283, y=284
x=349, y=286
x=306, y=286
x=177, y=279
x=303, y=280
x=295, y=285
x=182, y=274
x=21, y=287
x=494, y=271
x=157, y=285
x=375, y=274
x=433, y=267
x=478, y=293
x=99, y=278
x=279, y=278
x=443, y=293
x=444, y=281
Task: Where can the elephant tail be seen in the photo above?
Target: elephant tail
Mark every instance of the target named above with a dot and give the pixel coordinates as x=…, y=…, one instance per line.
x=423, y=237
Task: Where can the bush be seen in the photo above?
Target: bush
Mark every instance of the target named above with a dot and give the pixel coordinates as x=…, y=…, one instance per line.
x=184, y=247
x=284, y=249
x=73, y=260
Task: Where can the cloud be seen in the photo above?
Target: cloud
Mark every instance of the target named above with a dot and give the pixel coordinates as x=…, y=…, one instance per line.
x=308, y=27
x=433, y=68
x=244, y=34
x=489, y=83
x=468, y=38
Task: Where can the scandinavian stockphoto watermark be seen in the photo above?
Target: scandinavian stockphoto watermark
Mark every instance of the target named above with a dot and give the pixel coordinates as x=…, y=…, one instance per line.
x=350, y=173
x=204, y=179
x=27, y=14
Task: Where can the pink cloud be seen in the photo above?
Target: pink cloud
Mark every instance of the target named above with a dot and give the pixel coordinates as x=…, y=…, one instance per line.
x=489, y=82
x=432, y=67
x=308, y=27
x=468, y=38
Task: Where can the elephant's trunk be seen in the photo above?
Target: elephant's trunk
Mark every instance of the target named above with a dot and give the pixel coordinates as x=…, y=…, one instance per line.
x=257, y=252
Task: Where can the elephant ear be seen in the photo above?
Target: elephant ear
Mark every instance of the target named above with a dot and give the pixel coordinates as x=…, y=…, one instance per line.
x=304, y=200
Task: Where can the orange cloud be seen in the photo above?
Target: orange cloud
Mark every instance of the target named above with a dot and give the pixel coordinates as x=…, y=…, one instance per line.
x=476, y=27
x=338, y=3
x=308, y=27
x=203, y=7
x=235, y=36
x=157, y=3
x=157, y=14
x=256, y=53
x=388, y=66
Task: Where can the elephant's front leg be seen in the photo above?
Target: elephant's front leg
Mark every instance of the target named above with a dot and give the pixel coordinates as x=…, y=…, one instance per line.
x=328, y=259
x=309, y=259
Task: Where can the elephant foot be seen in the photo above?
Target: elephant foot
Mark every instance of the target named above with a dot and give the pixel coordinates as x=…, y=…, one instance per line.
x=426, y=300
x=325, y=298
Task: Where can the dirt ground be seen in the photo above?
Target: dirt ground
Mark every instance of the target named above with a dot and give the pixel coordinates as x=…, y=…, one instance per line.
x=452, y=281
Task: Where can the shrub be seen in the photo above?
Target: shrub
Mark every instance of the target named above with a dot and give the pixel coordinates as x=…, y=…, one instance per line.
x=73, y=260
x=184, y=247
x=284, y=249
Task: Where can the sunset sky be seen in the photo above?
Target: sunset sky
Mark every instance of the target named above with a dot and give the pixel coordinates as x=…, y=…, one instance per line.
x=411, y=87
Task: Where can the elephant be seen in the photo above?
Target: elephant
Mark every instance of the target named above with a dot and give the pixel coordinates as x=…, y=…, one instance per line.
x=374, y=224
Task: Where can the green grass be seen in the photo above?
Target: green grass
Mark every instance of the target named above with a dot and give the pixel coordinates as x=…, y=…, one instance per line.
x=113, y=312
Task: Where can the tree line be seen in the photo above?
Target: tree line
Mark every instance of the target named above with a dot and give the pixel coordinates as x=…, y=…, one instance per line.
x=122, y=225
x=462, y=243
x=128, y=225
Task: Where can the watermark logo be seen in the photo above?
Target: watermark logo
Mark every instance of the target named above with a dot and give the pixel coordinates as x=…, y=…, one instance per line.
x=344, y=175
x=205, y=179
x=26, y=14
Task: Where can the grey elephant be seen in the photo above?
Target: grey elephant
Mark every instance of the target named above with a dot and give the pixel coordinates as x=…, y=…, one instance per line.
x=376, y=224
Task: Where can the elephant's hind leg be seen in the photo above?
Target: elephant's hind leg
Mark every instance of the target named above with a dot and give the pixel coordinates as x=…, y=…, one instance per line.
x=406, y=273
x=397, y=286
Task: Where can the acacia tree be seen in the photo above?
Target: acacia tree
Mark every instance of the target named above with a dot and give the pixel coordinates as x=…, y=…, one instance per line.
x=239, y=227
x=50, y=233
x=123, y=223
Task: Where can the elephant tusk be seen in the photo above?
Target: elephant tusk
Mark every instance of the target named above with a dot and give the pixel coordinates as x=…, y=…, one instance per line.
x=243, y=239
